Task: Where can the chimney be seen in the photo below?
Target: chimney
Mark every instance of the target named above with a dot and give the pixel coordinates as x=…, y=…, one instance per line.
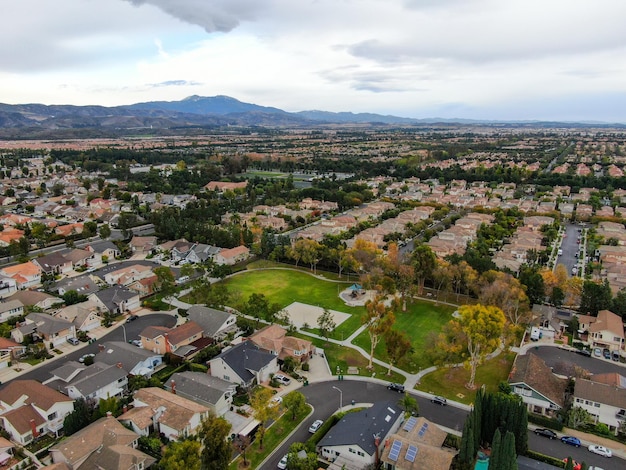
x=119, y=365
x=124, y=408
x=109, y=414
x=173, y=387
x=101, y=347
x=168, y=346
x=377, y=444
x=33, y=428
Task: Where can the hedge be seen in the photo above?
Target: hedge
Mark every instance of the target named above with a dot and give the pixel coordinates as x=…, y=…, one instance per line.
x=545, y=422
x=545, y=459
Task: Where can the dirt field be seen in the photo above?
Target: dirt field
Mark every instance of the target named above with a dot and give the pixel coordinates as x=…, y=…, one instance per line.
x=300, y=314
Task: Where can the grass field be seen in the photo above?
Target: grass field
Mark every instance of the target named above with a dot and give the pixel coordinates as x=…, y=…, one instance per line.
x=420, y=319
x=450, y=382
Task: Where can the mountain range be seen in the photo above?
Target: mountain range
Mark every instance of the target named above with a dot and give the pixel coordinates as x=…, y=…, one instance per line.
x=192, y=114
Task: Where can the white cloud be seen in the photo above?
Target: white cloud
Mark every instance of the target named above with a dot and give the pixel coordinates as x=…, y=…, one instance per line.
x=406, y=57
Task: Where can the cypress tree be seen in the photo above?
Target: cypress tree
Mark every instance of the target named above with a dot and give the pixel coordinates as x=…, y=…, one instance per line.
x=508, y=459
x=478, y=412
x=467, y=450
x=495, y=459
x=569, y=465
x=521, y=434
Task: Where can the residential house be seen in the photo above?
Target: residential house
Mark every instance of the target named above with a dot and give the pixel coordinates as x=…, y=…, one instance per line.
x=105, y=443
x=33, y=298
x=541, y=390
x=84, y=285
x=25, y=274
x=134, y=360
x=54, y=263
x=84, y=315
x=606, y=403
x=128, y=274
x=607, y=331
x=104, y=250
x=69, y=229
x=244, y=364
x=233, y=255
x=143, y=244
x=8, y=286
x=215, y=323
x=91, y=383
x=9, y=350
x=145, y=286
x=46, y=327
x=274, y=339
x=417, y=444
x=358, y=439
x=29, y=409
x=81, y=258
x=116, y=299
x=10, y=309
x=165, y=412
x=162, y=340
x=214, y=393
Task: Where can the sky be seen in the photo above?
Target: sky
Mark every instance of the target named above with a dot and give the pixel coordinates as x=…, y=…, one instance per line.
x=479, y=59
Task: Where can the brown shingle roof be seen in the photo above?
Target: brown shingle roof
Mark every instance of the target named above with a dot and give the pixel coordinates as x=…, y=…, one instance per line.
x=20, y=418
x=183, y=332
x=600, y=393
x=42, y=396
x=178, y=410
x=609, y=321
x=532, y=371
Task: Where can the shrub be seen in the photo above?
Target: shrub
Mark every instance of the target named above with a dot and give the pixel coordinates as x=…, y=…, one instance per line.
x=545, y=422
x=306, y=367
x=545, y=458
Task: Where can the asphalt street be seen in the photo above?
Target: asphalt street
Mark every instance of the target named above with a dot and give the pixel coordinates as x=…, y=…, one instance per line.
x=555, y=357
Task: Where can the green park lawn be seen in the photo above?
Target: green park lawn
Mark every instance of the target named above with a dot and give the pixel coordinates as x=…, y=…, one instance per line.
x=450, y=382
x=421, y=319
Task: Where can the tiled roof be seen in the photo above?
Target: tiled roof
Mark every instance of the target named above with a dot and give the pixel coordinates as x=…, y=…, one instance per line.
x=608, y=321
x=178, y=410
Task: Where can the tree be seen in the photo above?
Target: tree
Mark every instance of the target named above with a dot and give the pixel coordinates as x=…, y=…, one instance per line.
x=72, y=297
x=263, y=410
x=307, y=250
x=482, y=327
x=181, y=455
x=165, y=280
x=378, y=319
x=577, y=416
x=105, y=231
x=295, y=402
x=398, y=345
x=105, y=405
x=505, y=292
x=408, y=404
x=216, y=451
x=595, y=297
x=77, y=419
x=326, y=323
x=619, y=304
x=424, y=263
x=241, y=444
x=294, y=462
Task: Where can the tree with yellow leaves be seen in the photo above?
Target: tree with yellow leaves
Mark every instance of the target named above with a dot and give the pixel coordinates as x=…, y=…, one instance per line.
x=378, y=320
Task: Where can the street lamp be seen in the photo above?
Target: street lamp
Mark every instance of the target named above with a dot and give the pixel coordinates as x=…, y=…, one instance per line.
x=340, y=397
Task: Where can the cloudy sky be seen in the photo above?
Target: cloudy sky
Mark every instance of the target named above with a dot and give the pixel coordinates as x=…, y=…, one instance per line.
x=484, y=59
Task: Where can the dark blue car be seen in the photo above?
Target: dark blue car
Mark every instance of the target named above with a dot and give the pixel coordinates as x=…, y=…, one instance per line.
x=571, y=440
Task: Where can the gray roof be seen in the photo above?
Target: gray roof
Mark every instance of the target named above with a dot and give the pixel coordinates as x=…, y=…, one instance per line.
x=359, y=428
x=245, y=359
x=96, y=376
x=199, y=387
x=68, y=369
x=524, y=463
x=103, y=245
x=113, y=296
x=77, y=255
x=31, y=297
x=128, y=355
x=208, y=318
x=10, y=305
x=82, y=284
x=51, y=261
x=47, y=324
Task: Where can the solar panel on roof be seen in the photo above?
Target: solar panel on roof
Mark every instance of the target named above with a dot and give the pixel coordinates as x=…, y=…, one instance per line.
x=396, y=447
x=410, y=424
x=423, y=429
x=411, y=453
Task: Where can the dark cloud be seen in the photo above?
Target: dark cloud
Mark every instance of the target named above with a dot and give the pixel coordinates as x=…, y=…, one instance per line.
x=211, y=15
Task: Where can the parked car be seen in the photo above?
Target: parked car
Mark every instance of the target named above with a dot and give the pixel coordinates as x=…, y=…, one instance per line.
x=583, y=352
x=597, y=352
x=131, y=318
x=600, y=450
x=616, y=356
x=283, y=463
x=281, y=379
x=315, y=426
x=439, y=400
x=82, y=358
x=136, y=342
x=396, y=387
x=549, y=433
x=73, y=341
x=571, y=440
x=276, y=401
x=606, y=353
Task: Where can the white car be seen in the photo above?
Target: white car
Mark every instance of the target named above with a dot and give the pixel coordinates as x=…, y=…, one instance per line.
x=280, y=378
x=283, y=463
x=276, y=401
x=600, y=450
x=315, y=426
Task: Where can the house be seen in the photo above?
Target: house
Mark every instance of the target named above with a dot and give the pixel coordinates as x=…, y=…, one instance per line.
x=134, y=360
x=105, y=443
x=6, y=451
x=8, y=286
x=116, y=299
x=145, y=286
x=607, y=331
x=540, y=389
x=9, y=350
x=606, y=403
x=417, y=444
x=84, y=315
x=29, y=409
x=128, y=274
x=358, y=439
x=244, y=364
x=274, y=339
x=33, y=298
x=233, y=255
x=215, y=323
x=143, y=244
x=84, y=285
x=46, y=327
x=25, y=274
x=104, y=250
x=165, y=412
x=214, y=393
x=91, y=383
x=162, y=340
x=80, y=258
x=10, y=309
x=54, y=263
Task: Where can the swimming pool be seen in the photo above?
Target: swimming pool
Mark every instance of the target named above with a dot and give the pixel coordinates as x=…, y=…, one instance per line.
x=482, y=463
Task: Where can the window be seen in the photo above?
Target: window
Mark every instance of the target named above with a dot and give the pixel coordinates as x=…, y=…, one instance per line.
x=52, y=416
x=226, y=377
x=597, y=405
x=362, y=454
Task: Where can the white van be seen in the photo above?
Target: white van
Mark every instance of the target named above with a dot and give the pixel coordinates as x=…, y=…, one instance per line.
x=535, y=334
x=560, y=252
